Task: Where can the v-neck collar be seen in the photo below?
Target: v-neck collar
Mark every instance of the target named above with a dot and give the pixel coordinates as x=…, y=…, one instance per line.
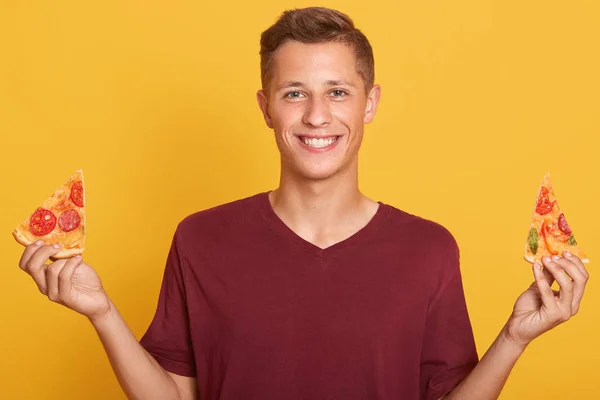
x=280, y=228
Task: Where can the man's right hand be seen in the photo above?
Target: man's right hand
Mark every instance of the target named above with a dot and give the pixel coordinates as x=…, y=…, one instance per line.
x=76, y=285
x=69, y=282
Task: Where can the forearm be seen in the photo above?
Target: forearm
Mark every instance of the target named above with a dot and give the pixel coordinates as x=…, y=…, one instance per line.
x=489, y=376
x=138, y=373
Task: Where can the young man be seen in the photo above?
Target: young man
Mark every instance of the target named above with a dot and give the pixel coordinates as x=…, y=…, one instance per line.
x=312, y=290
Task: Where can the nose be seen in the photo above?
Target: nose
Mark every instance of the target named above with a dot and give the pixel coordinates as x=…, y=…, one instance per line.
x=317, y=112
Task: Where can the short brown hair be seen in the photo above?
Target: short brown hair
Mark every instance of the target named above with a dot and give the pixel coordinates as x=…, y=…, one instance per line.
x=316, y=25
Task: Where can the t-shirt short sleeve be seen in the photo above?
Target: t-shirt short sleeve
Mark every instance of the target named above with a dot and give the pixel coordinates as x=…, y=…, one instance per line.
x=449, y=353
x=168, y=336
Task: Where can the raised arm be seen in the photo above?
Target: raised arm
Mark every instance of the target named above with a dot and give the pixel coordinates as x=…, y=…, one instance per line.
x=76, y=285
x=536, y=311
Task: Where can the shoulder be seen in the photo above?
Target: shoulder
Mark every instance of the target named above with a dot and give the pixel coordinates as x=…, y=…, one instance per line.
x=220, y=219
x=430, y=246
x=420, y=231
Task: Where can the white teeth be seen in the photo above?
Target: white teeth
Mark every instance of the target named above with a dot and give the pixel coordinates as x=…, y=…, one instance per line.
x=319, y=143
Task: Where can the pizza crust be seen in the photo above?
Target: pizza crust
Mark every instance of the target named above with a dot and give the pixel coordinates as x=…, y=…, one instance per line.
x=63, y=253
x=20, y=238
x=531, y=260
x=67, y=253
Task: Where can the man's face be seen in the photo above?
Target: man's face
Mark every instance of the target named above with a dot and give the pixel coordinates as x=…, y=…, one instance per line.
x=317, y=106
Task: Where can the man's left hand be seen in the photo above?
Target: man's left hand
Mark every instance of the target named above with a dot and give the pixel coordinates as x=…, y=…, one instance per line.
x=540, y=308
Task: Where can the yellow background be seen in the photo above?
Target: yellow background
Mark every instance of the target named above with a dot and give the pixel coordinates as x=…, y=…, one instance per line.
x=155, y=101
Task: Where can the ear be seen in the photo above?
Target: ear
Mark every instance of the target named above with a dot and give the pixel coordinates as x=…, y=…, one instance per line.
x=372, y=103
x=263, y=103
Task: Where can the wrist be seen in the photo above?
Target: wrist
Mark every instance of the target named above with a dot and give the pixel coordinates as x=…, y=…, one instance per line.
x=507, y=341
x=104, y=315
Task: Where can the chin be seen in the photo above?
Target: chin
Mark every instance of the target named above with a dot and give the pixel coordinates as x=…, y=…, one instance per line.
x=318, y=174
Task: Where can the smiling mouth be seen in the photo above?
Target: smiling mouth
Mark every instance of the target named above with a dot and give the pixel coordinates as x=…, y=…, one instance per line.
x=319, y=143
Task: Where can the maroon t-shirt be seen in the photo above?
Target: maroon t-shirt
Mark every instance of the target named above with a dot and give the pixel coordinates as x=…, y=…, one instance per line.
x=256, y=312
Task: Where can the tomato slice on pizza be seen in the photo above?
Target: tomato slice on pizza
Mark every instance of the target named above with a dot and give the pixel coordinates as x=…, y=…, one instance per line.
x=549, y=232
x=59, y=219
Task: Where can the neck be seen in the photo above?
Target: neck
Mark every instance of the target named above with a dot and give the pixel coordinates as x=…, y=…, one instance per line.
x=322, y=211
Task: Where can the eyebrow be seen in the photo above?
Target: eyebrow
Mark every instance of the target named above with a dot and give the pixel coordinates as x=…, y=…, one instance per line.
x=289, y=84
x=340, y=83
x=293, y=84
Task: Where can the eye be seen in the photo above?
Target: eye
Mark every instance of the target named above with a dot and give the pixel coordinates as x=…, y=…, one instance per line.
x=293, y=95
x=338, y=93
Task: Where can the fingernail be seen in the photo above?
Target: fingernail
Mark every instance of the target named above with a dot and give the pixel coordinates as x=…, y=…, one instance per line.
x=555, y=257
x=537, y=265
x=56, y=246
x=39, y=243
x=78, y=256
x=547, y=259
x=568, y=254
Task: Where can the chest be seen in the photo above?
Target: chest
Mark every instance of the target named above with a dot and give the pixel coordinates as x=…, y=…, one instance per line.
x=275, y=298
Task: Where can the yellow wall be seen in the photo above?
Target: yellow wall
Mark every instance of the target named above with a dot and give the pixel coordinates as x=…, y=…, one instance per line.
x=155, y=101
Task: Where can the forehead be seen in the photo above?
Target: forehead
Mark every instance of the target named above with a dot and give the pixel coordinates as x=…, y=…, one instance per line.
x=305, y=61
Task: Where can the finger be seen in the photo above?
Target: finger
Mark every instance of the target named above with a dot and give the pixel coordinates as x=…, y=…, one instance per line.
x=28, y=252
x=579, y=281
x=549, y=276
x=36, y=267
x=577, y=261
x=52, y=273
x=565, y=296
x=64, y=277
x=543, y=286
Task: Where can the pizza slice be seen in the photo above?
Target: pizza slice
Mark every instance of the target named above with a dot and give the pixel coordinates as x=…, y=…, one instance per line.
x=60, y=219
x=549, y=232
